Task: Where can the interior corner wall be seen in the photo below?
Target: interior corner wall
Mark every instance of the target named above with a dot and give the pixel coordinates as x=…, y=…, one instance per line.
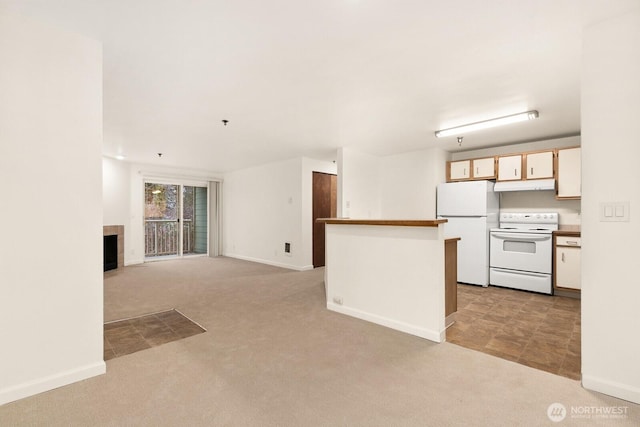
x=610, y=151
x=50, y=163
x=262, y=211
x=358, y=184
x=408, y=183
x=115, y=197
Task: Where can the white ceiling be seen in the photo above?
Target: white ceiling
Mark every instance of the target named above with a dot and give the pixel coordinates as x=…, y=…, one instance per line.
x=302, y=78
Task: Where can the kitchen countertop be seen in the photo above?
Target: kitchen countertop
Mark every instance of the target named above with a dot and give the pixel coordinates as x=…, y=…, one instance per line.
x=393, y=222
x=568, y=230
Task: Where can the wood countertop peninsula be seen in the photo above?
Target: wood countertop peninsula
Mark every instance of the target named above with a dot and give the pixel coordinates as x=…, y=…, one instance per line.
x=392, y=222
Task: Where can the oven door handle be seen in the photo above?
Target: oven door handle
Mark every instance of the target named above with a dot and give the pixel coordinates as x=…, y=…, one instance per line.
x=522, y=236
x=520, y=273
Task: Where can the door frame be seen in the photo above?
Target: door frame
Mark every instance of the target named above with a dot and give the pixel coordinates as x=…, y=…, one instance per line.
x=333, y=210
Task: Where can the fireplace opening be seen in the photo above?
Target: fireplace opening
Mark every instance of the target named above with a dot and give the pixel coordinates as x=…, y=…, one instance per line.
x=110, y=252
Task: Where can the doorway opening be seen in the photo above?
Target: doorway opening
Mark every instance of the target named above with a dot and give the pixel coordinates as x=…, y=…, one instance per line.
x=325, y=196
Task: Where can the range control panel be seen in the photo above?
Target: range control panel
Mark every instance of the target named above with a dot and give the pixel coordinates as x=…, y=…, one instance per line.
x=529, y=218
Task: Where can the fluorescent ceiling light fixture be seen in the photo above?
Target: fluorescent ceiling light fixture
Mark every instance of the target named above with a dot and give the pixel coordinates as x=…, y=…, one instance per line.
x=485, y=124
x=120, y=157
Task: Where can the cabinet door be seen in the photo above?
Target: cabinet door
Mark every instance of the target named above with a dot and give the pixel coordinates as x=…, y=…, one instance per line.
x=569, y=174
x=484, y=168
x=510, y=168
x=568, y=267
x=460, y=170
x=540, y=165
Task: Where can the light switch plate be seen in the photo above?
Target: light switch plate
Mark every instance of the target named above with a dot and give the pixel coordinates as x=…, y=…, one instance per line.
x=614, y=212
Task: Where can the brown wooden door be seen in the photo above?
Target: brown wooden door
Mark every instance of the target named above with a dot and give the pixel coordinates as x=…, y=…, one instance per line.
x=325, y=195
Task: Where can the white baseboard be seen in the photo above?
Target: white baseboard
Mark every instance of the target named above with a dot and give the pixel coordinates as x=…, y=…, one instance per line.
x=430, y=334
x=612, y=388
x=268, y=262
x=40, y=385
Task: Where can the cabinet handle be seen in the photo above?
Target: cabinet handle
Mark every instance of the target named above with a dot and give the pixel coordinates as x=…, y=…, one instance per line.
x=572, y=242
x=515, y=172
x=464, y=171
x=531, y=171
x=476, y=170
x=562, y=256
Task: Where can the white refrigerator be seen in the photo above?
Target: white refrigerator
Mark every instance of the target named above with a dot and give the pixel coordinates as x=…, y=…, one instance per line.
x=471, y=209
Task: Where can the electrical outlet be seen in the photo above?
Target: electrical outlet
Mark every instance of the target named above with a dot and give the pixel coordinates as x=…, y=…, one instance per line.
x=287, y=248
x=337, y=300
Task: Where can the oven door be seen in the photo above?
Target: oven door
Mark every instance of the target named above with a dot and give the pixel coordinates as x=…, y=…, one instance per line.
x=521, y=251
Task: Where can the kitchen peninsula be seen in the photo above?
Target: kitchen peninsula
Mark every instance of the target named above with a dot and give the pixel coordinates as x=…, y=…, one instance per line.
x=389, y=272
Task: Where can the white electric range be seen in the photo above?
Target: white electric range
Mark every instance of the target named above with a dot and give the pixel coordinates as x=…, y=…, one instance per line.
x=521, y=251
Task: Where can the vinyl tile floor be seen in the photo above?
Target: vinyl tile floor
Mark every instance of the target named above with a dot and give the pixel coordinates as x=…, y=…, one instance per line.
x=139, y=333
x=540, y=331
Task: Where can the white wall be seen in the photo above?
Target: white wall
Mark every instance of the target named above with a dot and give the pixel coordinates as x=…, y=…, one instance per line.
x=569, y=211
x=268, y=205
x=262, y=211
x=392, y=276
x=610, y=152
x=359, y=189
x=115, y=191
x=50, y=164
x=401, y=186
x=408, y=183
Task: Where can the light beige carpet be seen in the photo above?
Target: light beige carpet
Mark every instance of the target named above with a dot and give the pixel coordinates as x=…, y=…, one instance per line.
x=274, y=356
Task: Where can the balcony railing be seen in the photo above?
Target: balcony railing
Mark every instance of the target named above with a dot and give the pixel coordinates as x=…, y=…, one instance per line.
x=161, y=237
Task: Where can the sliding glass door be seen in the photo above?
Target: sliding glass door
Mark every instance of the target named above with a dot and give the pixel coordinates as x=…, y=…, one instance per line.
x=176, y=220
x=195, y=218
x=161, y=209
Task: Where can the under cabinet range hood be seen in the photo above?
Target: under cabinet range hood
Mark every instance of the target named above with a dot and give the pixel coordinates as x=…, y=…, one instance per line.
x=530, y=185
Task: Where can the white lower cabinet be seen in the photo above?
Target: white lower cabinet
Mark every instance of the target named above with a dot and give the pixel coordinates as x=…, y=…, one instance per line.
x=568, y=263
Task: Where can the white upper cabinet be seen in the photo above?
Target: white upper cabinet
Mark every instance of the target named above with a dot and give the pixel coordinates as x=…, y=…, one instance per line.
x=510, y=168
x=484, y=168
x=460, y=170
x=569, y=174
x=539, y=165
